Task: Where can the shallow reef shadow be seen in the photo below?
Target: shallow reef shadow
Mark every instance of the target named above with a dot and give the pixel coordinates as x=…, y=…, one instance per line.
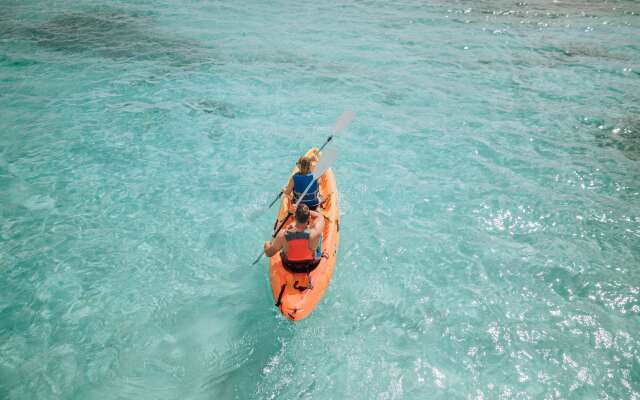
x=624, y=135
x=114, y=35
x=217, y=107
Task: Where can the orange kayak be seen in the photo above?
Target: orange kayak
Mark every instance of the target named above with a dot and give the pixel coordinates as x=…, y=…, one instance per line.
x=293, y=295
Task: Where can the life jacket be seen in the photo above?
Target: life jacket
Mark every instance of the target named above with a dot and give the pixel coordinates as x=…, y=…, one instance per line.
x=300, y=183
x=298, y=257
x=298, y=245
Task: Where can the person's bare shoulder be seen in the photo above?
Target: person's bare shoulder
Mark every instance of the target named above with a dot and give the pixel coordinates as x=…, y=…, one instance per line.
x=318, y=226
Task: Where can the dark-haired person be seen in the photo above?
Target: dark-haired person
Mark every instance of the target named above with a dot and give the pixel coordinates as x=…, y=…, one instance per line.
x=299, y=182
x=301, y=242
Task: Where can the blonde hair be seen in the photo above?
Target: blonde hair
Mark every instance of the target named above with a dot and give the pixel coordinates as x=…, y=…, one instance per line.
x=304, y=164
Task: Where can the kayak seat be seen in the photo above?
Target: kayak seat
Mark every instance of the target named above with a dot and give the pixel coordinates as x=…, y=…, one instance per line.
x=305, y=266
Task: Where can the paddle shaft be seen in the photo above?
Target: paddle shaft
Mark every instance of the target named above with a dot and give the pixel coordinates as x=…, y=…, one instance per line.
x=284, y=221
x=281, y=225
x=287, y=217
x=323, y=165
x=280, y=194
x=276, y=199
x=305, y=192
x=326, y=143
x=321, y=171
x=341, y=123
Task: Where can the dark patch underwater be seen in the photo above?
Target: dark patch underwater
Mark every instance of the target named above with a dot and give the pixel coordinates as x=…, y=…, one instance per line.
x=113, y=35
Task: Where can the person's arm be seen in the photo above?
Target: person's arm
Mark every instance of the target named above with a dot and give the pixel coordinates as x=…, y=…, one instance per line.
x=287, y=190
x=318, y=226
x=274, y=246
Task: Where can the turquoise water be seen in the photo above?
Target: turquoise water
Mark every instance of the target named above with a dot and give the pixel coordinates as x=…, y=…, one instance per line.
x=490, y=192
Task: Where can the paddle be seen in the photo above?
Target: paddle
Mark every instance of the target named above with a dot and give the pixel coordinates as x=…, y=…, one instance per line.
x=341, y=123
x=326, y=160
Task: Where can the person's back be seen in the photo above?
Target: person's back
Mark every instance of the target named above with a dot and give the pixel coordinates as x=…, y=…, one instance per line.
x=299, y=183
x=301, y=244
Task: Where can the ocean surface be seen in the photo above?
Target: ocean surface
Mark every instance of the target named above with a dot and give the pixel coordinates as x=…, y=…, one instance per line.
x=489, y=185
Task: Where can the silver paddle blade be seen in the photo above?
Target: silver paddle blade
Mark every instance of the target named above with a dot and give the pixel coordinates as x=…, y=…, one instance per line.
x=256, y=213
x=327, y=158
x=343, y=121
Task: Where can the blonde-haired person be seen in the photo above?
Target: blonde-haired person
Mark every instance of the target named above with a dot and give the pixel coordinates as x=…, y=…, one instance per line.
x=301, y=179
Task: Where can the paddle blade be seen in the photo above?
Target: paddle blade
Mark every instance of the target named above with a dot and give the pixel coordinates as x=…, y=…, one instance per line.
x=343, y=121
x=256, y=213
x=326, y=161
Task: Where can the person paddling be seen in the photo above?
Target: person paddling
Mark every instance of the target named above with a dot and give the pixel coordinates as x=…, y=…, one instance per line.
x=301, y=242
x=299, y=182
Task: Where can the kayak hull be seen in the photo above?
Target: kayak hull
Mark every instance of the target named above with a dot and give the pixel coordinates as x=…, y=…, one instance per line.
x=292, y=292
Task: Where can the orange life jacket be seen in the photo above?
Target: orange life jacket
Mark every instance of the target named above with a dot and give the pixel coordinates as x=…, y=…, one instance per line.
x=298, y=245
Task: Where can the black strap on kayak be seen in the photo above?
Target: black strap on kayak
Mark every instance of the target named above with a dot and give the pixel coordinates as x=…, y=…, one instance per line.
x=310, y=283
x=279, y=302
x=303, y=288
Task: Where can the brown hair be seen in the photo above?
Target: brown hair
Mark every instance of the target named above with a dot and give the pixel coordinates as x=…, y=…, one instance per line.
x=304, y=164
x=302, y=214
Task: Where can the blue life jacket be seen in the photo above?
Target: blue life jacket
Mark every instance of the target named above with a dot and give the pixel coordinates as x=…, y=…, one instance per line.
x=300, y=183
